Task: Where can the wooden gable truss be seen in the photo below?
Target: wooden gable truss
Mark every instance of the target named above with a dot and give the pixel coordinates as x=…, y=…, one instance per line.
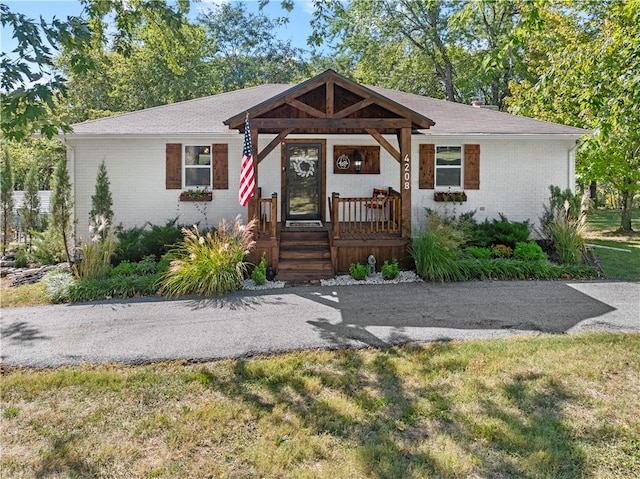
x=332, y=104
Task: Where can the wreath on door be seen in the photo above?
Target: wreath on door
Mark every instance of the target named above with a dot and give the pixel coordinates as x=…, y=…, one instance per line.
x=304, y=168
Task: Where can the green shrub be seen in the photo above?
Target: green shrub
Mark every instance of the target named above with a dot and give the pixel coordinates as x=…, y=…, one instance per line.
x=511, y=269
x=209, y=264
x=147, y=265
x=259, y=273
x=390, y=271
x=478, y=252
x=500, y=231
x=124, y=268
x=530, y=251
x=160, y=239
x=21, y=259
x=136, y=243
x=48, y=247
x=123, y=286
x=129, y=245
x=358, y=271
x=57, y=285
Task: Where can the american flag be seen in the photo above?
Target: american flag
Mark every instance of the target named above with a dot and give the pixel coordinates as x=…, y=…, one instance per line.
x=247, y=179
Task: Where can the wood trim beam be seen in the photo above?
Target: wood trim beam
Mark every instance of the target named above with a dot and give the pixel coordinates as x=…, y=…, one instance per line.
x=353, y=108
x=329, y=100
x=404, y=137
x=331, y=123
x=275, y=142
x=384, y=143
x=306, y=108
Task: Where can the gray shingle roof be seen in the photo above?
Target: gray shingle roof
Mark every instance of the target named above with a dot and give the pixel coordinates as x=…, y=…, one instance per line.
x=206, y=115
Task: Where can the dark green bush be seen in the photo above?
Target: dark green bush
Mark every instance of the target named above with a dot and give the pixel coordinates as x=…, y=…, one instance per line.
x=390, y=270
x=530, y=251
x=358, y=271
x=499, y=231
x=136, y=243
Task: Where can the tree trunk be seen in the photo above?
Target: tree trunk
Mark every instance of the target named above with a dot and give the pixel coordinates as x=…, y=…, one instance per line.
x=593, y=193
x=625, y=220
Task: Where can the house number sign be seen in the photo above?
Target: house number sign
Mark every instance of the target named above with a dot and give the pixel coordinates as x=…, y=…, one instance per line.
x=406, y=172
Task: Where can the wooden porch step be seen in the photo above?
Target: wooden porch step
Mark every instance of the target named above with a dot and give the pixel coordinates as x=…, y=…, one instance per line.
x=305, y=252
x=304, y=256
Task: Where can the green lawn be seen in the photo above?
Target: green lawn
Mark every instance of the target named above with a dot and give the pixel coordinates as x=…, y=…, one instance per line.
x=603, y=231
x=531, y=407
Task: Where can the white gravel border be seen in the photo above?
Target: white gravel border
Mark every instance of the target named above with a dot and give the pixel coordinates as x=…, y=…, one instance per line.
x=342, y=280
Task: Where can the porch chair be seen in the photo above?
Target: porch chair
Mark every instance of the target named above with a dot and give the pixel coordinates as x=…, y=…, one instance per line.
x=377, y=207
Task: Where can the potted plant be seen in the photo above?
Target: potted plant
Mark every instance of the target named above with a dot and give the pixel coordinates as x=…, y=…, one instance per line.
x=196, y=194
x=453, y=196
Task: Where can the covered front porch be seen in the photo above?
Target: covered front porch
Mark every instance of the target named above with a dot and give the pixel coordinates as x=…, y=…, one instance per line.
x=324, y=128
x=357, y=229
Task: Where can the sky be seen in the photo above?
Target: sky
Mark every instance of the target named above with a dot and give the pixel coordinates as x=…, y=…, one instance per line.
x=297, y=30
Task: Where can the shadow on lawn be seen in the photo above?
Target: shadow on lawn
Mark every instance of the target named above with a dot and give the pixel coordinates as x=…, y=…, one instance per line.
x=412, y=424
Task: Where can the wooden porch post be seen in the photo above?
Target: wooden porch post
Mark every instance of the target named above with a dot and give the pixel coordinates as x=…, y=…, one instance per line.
x=404, y=140
x=253, y=206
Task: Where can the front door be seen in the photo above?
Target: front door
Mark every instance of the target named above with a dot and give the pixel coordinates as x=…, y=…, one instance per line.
x=303, y=191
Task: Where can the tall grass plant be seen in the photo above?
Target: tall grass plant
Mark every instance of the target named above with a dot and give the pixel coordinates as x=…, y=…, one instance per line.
x=211, y=263
x=436, y=250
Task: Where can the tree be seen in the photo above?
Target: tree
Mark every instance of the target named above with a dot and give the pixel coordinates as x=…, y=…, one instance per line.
x=43, y=152
x=6, y=199
x=586, y=64
x=245, y=51
x=61, y=205
x=102, y=201
x=454, y=50
x=30, y=211
x=31, y=88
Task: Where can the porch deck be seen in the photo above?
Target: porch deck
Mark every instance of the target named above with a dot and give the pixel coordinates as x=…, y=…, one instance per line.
x=360, y=227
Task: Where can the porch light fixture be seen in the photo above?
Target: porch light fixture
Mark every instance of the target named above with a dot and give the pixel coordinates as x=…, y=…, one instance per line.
x=357, y=160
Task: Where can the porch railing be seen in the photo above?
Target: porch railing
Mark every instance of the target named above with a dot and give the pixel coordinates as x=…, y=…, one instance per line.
x=365, y=215
x=268, y=216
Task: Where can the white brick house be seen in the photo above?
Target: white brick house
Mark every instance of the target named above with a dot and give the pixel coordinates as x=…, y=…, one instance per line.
x=503, y=163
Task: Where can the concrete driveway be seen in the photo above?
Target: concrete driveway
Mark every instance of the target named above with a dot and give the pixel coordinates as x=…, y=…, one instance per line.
x=250, y=323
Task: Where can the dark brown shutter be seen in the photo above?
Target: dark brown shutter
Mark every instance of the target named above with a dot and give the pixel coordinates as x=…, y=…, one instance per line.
x=220, y=166
x=426, y=167
x=174, y=166
x=471, y=167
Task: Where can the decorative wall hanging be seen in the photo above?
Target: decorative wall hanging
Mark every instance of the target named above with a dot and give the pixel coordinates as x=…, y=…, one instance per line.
x=343, y=162
x=344, y=159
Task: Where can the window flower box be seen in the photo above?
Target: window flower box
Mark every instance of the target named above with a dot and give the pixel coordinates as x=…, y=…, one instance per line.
x=452, y=196
x=196, y=195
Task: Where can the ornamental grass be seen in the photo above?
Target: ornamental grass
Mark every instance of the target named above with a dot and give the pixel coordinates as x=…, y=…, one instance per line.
x=211, y=263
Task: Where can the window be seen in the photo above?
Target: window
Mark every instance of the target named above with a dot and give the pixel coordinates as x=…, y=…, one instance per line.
x=197, y=166
x=448, y=166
